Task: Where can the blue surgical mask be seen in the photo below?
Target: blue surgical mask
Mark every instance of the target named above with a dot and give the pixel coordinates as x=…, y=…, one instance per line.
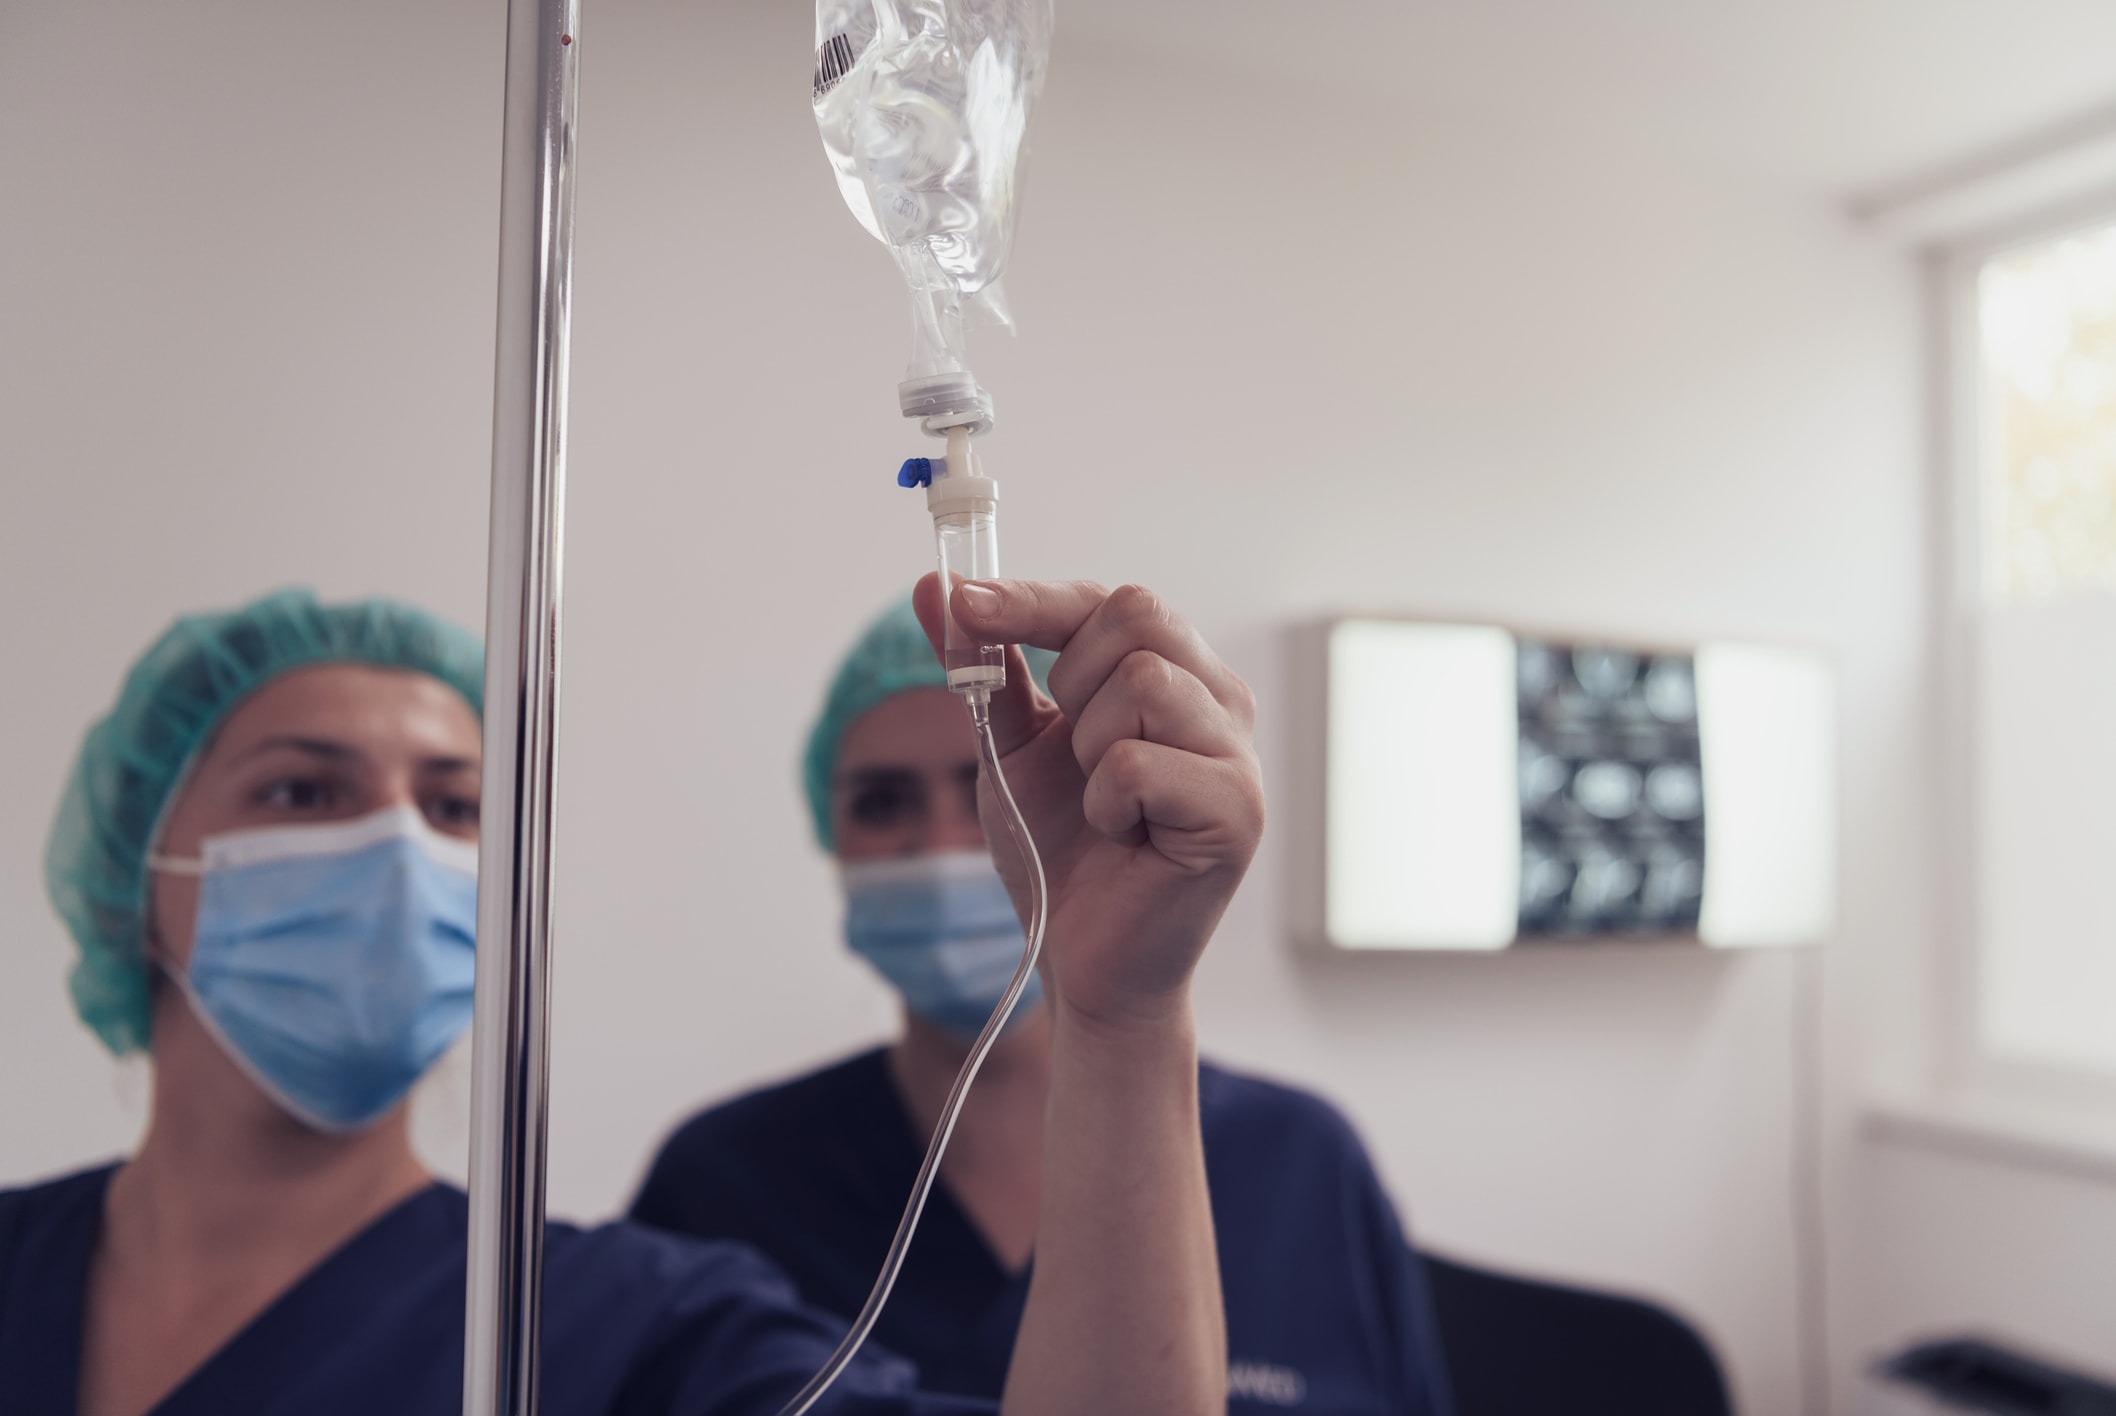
x=941, y=929
x=334, y=963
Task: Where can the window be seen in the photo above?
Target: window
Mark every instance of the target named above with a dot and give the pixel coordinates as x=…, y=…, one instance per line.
x=2047, y=316
x=2041, y=633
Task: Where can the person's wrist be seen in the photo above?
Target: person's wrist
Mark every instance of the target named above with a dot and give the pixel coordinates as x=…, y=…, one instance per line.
x=1150, y=1019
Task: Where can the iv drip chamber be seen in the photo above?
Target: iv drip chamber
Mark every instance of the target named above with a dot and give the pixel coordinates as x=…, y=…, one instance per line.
x=965, y=507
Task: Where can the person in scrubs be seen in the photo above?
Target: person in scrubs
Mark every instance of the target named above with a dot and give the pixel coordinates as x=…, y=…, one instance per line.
x=1326, y=1302
x=266, y=855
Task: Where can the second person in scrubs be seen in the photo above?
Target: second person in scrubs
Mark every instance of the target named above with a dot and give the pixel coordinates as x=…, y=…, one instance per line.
x=1327, y=1310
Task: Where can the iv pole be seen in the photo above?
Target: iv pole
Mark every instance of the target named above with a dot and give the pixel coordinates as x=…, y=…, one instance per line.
x=503, y=1329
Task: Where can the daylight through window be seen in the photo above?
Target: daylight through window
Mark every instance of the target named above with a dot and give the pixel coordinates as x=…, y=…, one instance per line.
x=2049, y=343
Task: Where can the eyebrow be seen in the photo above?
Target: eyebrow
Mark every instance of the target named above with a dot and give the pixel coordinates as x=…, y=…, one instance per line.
x=856, y=777
x=868, y=776
x=314, y=747
x=331, y=751
x=448, y=764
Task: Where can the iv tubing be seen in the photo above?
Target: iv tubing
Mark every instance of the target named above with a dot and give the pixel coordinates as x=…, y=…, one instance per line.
x=980, y=705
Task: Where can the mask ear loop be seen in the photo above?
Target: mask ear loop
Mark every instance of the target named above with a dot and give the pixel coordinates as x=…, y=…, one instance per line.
x=192, y=867
x=150, y=946
x=156, y=958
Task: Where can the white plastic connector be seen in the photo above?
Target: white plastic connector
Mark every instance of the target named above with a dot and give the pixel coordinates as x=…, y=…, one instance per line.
x=959, y=483
x=945, y=402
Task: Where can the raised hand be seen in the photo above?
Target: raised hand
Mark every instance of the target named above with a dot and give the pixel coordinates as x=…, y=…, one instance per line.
x=1137, y=778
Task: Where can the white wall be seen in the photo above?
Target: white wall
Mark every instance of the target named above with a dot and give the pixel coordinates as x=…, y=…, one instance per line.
x=246, y=287
x=1282, y=353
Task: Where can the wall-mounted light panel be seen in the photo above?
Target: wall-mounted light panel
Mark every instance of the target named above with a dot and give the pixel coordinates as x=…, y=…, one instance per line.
x=1481, y=788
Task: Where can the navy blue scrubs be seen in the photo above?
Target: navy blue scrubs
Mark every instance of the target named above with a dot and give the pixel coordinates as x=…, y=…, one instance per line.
x=635, y=1324
x=1327, y=1309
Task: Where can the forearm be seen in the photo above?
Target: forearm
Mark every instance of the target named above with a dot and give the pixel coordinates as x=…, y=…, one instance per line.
x=1123, y=1313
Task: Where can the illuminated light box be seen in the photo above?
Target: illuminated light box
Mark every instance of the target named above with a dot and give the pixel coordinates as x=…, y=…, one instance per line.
x=1476, y=788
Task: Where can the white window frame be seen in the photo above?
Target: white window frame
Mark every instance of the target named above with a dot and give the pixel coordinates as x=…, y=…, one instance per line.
x=2050, y=1094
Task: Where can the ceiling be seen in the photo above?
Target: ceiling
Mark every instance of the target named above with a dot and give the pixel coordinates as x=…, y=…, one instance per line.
x=1848, y=96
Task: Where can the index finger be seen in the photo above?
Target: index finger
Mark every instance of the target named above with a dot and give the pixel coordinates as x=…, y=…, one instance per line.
x=1096, y=629
x=1045, y=613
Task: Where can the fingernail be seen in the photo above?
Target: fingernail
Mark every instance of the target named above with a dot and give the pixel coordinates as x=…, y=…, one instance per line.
x=980, y=600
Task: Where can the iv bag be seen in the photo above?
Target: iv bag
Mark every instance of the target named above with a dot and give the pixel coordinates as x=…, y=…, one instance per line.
x=922, y=106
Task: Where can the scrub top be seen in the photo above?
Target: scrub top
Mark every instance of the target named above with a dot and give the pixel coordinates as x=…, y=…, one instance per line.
x=635, y=1324
x=1327, y=1308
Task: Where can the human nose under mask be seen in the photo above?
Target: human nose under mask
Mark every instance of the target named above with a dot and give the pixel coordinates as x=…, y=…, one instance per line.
x=941, y=928
x=334, y=963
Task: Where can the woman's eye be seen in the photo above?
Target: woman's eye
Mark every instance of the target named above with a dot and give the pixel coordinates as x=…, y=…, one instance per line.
x=884, y=804
x=296, y=794
x=455, y=812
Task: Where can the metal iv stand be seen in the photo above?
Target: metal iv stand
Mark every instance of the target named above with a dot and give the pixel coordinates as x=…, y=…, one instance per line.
x=503, y=1331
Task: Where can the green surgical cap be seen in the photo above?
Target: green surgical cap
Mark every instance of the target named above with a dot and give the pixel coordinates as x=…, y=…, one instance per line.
x=95, y=865
x=891, y=657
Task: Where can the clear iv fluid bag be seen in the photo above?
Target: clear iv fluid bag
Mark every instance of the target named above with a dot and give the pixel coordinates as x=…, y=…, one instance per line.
x=922, y=105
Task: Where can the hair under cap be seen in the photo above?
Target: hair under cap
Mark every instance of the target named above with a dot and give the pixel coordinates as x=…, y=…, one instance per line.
x=134, y=758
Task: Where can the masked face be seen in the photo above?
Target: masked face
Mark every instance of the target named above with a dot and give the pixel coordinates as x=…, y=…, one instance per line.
x=923, y=904
x=312, y=896
x=941, y=929
x=334, y=962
